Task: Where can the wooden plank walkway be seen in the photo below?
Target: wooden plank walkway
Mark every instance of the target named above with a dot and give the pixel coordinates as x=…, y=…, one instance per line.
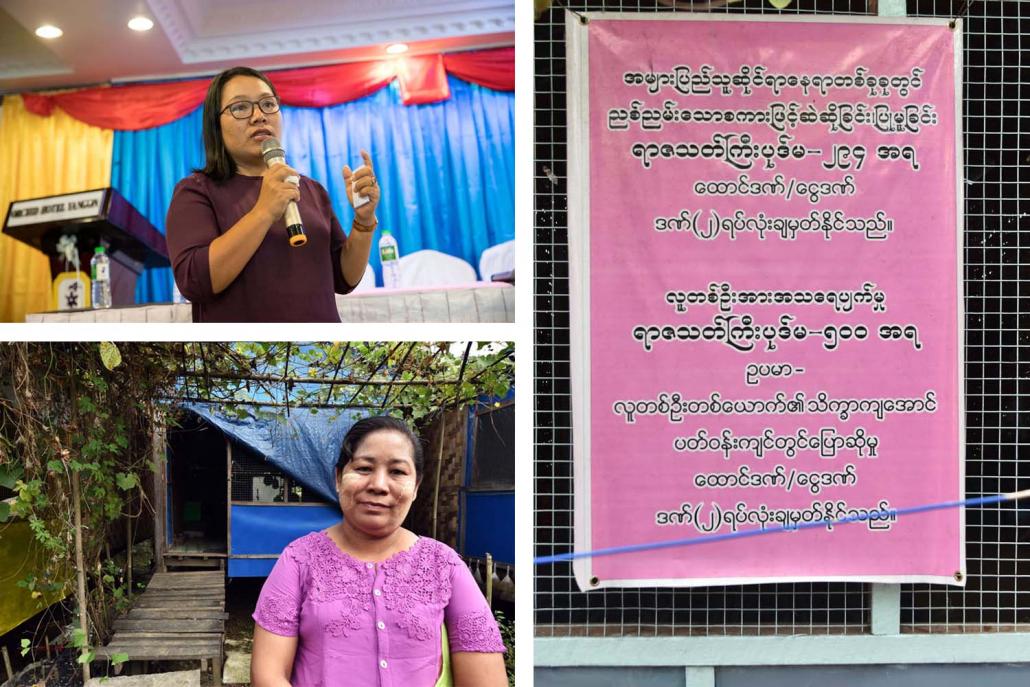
x=180, y=616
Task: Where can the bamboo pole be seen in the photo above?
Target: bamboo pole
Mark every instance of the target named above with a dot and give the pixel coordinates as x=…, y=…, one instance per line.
x=335, y=381
x=7, y=663
x=157, y=455
x=128, y=550
x=489, y=580
x=80, y=567
x=228, y=499
x=439, y=467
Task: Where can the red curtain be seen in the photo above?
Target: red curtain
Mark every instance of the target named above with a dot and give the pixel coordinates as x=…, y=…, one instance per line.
x=124, y=107
x=423, y=79
x=332, y=85
x=490, y=68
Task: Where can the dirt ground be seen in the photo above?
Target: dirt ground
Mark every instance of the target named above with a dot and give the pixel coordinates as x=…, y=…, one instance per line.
x=241, y=598
x=61, y=671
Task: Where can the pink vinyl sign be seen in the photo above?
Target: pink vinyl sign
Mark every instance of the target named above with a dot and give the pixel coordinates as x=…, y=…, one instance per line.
x=765, y=237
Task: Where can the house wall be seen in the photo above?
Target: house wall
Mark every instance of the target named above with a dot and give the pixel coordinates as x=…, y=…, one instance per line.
x=448, y=428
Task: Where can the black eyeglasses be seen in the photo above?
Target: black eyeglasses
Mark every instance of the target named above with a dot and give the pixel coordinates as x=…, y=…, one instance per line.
x=243, y=109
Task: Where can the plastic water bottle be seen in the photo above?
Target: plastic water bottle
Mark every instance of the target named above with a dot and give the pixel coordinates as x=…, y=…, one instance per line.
x=390, y=259
x=100, y=273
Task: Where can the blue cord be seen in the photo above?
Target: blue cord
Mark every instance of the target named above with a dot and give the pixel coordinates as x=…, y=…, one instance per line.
x=710, y=538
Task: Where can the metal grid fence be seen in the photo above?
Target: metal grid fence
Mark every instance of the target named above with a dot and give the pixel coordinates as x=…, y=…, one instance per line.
x=248, y=465
x=997, y=241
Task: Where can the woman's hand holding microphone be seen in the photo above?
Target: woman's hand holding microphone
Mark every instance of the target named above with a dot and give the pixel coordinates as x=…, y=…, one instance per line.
x=279, y=185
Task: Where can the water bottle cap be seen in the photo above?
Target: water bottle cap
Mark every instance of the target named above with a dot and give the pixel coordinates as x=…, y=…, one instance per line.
x=386, y=231
x=98, y=250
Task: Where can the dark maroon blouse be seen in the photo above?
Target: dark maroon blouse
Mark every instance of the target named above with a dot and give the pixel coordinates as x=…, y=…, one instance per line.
x=279, y=283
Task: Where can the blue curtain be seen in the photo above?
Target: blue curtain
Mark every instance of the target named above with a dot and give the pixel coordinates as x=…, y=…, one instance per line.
x=446, y=170
x=146, y=167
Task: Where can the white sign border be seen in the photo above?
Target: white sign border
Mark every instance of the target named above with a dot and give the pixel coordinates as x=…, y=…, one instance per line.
x=578, y=147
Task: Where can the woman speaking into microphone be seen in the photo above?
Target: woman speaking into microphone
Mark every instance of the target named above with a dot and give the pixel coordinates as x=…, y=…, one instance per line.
x=227, y=235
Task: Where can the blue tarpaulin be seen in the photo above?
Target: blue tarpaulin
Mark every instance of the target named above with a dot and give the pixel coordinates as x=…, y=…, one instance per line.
x=304, y=445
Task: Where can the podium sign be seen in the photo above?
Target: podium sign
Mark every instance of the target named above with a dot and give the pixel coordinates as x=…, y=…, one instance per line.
x=55, y=209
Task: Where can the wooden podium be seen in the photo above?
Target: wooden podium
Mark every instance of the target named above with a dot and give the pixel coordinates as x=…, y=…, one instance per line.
x=93, y=217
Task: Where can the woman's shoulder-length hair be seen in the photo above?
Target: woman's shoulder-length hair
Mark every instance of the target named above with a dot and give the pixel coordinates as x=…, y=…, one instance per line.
x=219, y=165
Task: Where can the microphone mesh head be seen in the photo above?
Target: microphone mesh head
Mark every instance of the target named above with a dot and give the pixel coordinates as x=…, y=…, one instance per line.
x=271, y=148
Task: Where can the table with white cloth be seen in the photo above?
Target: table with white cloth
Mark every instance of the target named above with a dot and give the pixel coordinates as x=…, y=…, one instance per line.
x=476, y=302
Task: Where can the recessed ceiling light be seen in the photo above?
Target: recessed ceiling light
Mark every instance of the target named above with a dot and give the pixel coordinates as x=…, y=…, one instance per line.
x=397, y=48
x=49, y=31
x=140, y=24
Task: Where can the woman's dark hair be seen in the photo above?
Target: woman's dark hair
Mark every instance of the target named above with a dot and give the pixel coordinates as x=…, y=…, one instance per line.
x=220, y=165
x=362, y=428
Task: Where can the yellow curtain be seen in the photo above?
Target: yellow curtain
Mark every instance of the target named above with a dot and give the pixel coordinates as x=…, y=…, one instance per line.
x=41, y=156
x=20, y=554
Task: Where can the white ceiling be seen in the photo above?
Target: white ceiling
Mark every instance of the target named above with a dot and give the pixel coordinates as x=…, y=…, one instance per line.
x=200, y=37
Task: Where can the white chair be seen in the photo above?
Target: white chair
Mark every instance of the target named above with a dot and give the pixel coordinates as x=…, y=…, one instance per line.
x=497, y=259
x=433, y=268
x=368, y=280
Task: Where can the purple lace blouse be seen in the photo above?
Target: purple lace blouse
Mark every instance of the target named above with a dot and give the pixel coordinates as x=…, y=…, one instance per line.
x=363, y=623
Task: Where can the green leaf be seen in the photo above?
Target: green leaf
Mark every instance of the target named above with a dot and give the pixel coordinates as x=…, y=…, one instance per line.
x=110, y=356
x=85, y=657
x=126, y=481
x=26, y=646
x=78, y=638
x=5, y=511
x=119, y=658
x=9, y=475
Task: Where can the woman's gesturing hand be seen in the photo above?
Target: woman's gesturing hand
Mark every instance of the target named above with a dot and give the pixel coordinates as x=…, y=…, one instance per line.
x=277, y=189
x=363, y=182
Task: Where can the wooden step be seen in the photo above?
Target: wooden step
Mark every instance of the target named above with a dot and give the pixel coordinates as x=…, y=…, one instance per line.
x=176, y=614
x=170, y=626
x=165, y=649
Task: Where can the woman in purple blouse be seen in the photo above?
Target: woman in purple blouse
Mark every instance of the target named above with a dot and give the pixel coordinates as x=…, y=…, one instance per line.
x=227, y=240
x=363, y=602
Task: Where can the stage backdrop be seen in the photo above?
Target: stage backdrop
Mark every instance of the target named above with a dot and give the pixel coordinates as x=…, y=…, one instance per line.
x=764, y=227
x=443, y=149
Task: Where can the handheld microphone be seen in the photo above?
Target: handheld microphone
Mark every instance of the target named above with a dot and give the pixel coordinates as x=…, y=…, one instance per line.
x=274, y=154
